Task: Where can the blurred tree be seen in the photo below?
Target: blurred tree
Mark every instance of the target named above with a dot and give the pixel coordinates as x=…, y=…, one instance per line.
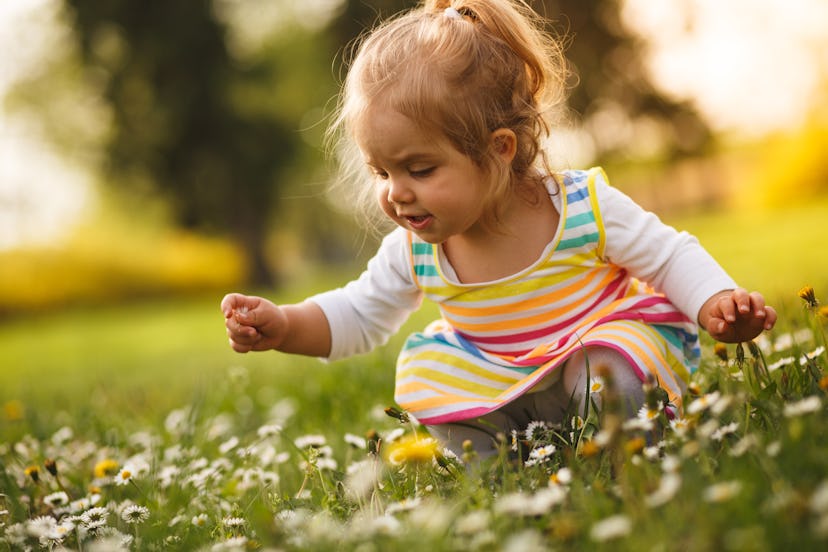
x=178, y=126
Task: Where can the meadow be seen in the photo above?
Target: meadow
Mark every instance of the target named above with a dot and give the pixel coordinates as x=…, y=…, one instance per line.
x=134, y=427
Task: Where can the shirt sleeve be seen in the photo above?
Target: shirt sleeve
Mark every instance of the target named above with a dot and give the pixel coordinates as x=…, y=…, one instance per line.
x=367, y=311
x=673, y=262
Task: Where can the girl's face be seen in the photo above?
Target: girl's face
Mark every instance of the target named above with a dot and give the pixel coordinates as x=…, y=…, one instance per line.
x=422, y=182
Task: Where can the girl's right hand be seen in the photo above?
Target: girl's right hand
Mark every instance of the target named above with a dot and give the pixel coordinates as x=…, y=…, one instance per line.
x=253, y=323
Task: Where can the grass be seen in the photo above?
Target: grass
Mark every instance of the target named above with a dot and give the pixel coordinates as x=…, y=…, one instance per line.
x=216, y=446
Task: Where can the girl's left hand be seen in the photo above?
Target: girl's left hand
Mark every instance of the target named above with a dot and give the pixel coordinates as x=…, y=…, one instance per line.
x=735, y=316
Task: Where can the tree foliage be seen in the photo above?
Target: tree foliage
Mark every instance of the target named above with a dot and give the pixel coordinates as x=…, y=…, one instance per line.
x=220, y=137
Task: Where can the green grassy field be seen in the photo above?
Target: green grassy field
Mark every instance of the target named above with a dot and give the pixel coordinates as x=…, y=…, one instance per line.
x=153, y=389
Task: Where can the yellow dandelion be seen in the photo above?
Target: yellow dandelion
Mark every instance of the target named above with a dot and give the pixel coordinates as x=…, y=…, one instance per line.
x=823, y=311
x=33, y=472
x=589, y=449
x=635, y=445
x=105, y=467
x=13, y=410
x=720, y=350
x=807, y=294
x=412, y=449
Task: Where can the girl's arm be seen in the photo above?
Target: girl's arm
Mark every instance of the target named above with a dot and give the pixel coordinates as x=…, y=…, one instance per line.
x=677, y=265
x=256, y=324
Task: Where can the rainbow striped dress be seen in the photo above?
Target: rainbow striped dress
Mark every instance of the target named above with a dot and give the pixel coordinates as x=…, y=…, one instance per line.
x=498, y=340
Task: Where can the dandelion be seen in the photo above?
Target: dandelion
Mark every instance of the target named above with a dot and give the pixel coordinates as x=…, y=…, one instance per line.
x=610, y=528
x=807, y=405
x=33, y=472
x=412, y=450
x=596, y=384
x=134, y=514
x=124, y=475
x=807, y=294
x=94, y=518
x=105, y=467
x=722, y=492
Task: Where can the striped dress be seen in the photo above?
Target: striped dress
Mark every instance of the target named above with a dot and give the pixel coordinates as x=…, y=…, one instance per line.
x=498, y=340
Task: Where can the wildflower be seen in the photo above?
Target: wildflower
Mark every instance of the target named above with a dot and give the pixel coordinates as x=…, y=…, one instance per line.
x=200, y=520
x=703, y=403
x=229, y=445
x=635, y=445
x=94, y=517
x=356, y=441
x=394, y=434
x=105, y=467
x=124, y=475
x=524, y=504
x=33, y=472
x=268, y=430
x=650, y=413
x=720, y=350
x=51, y=467
x=680, y=426
x=589, y=448
x=233, y=522
x=596, y=384
x=823, y=312
x=59, y=498
x=722, y=492
x=535, y=430
x=561, y=477
x=412, y=449
x=780, y=363
x=807, y=294
x=818, y=502
x=135, y=514
x=720, y=433
x=41, y=526
x=807, y=405
x=668, y=486
x=527, y=540
x=474, y=522
x=542, y=454
x=403, y=505
x=694, y=388
x=811, y=356
x=309, y=441
x=13, y=410
x=611, y=528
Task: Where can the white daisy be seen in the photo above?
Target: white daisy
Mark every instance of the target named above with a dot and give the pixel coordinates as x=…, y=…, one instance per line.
x=135, y=514
x=610, y=528
x=124, y=475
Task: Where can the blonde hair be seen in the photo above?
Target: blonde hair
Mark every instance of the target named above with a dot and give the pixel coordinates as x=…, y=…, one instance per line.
x=493, y=67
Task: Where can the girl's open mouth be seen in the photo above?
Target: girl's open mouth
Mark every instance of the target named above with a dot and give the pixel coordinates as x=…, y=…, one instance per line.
x=418, y=222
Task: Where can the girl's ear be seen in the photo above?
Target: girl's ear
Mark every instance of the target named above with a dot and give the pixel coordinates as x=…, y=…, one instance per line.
x=504, y=144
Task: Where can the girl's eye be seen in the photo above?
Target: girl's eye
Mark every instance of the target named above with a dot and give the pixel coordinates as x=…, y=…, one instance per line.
x=382, y=175
x=421, y=172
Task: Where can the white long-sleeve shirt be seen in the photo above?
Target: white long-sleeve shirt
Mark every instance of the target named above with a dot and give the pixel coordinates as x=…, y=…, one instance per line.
x=367, y=311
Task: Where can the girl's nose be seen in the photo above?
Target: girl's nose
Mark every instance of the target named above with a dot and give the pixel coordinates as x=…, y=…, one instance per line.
x=399, y=192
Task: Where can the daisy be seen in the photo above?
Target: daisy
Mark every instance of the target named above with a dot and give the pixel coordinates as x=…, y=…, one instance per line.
x=722, y=492
x=703, y=403
x=233, y=522
x=94, y=517
x=200, y=520
x=668, y=486
x=307, y=441
x=807, y=405
x=542, y=454
x=41, y=526
x=56, y=499
x=610, y=528
x=720, y=433
x=561, y=477
x=268, y=430
x=535, y=430
x=356, y=441
x=596, y=384
x=124, y=475
x=135, y=514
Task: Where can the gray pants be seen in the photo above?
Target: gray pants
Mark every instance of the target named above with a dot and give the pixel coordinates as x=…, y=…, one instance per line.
x=562, y=390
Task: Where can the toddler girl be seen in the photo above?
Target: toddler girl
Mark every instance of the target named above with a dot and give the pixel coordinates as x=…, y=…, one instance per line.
x=536, y=273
